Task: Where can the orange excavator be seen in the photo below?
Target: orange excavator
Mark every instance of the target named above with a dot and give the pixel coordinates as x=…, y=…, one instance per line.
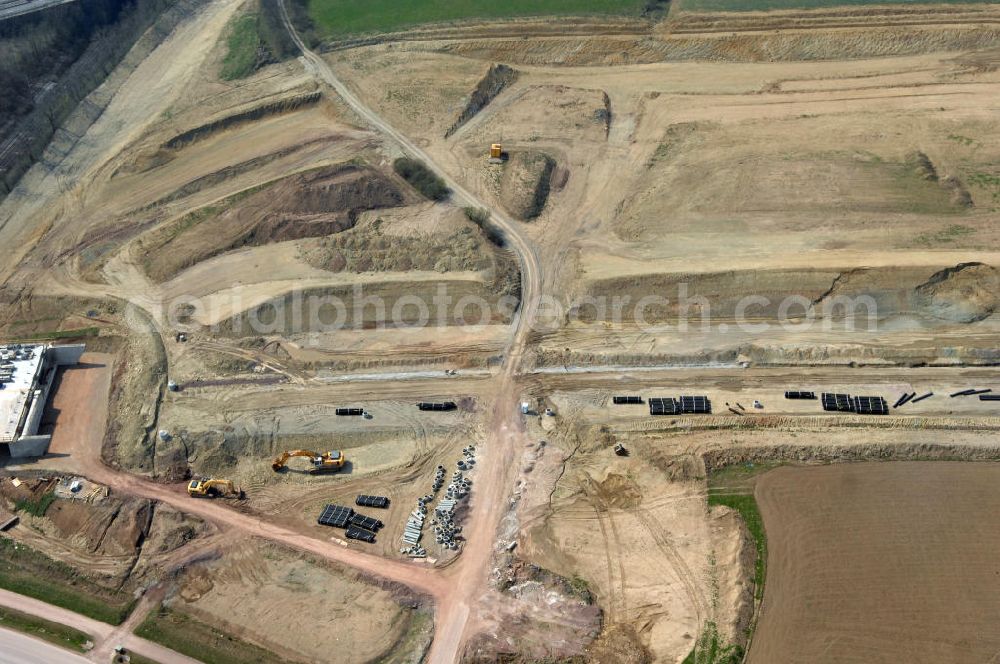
x=328, y=462
x=212, y=487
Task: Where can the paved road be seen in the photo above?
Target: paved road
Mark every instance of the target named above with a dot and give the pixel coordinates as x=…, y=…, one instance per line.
x=16, y=648
x=105, y=636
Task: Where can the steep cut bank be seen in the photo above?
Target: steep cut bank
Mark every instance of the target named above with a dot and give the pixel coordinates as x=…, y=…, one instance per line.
x=527, y=180
x=965, y=293
x=492, y=84
x=127, y=40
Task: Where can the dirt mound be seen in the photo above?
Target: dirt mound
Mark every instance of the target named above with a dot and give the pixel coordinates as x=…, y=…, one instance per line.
x=965, y=293
x=111, y=527
x=614, y=491
x=563, y=618
x=219, y=451
x=310, y=204
x=527, y=179
x=620, y=644
x=367, y=248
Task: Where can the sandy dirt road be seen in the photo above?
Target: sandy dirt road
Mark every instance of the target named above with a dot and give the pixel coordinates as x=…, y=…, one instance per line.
x=46, y=199
x=469, y=578
x=81, y=401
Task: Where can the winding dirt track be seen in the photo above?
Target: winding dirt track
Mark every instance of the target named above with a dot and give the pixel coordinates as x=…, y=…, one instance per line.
x=458, y=588
x=467, y=579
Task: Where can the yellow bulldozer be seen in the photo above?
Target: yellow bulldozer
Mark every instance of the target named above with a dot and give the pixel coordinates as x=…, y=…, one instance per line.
x=211, y=488
x=328, y=462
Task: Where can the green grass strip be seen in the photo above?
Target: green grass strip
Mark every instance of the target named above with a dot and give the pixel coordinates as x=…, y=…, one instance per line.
x=182, y=633
x=243, y=44
x=60, y=635
x=348, y=17
x=746, y=506
x=764, y=5
x=26, y=571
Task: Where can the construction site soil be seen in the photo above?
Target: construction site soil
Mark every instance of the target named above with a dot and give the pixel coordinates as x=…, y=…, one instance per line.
x=822, y=158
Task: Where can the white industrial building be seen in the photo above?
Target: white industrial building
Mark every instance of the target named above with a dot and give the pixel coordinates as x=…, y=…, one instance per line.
x=26, y=376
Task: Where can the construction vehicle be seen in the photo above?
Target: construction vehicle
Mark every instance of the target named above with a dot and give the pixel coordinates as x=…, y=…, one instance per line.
x=496, y=153
x=328, y=462
x=211, y=488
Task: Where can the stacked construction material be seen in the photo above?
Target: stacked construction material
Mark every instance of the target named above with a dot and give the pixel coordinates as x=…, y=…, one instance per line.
x=336, y=516
x=437, y=406
x=626, y=400
x=350, y=412
x=836, y=402
x=372, y=501
x=415, y=523
x=363, y=528
x=870, y=406
x=800, y=395
x=413, y=530
x=700, y=405
x=664, y=406
x=445, y=530
x=685, y=404
x=367, y=522
x=359, y=526
x=360, y=534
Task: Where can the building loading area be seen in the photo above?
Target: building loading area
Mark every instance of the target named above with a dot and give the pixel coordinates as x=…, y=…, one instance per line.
x=26, y=376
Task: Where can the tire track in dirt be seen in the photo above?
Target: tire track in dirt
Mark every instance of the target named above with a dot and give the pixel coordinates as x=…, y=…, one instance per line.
x=679, y=567
x=613, y=551
x=613, y=612
x=619, y=556
x=571, y=513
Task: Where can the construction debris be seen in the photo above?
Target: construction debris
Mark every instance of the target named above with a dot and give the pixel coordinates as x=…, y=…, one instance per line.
x=446, y=531
x=903, y=399
x=372, y=501
x=437, y=406
x=970, y=392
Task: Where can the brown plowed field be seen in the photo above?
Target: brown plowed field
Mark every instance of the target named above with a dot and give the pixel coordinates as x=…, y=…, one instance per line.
x=887, y=562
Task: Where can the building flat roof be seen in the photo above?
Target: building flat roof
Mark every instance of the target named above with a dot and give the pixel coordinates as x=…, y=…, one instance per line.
x=24, y=362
